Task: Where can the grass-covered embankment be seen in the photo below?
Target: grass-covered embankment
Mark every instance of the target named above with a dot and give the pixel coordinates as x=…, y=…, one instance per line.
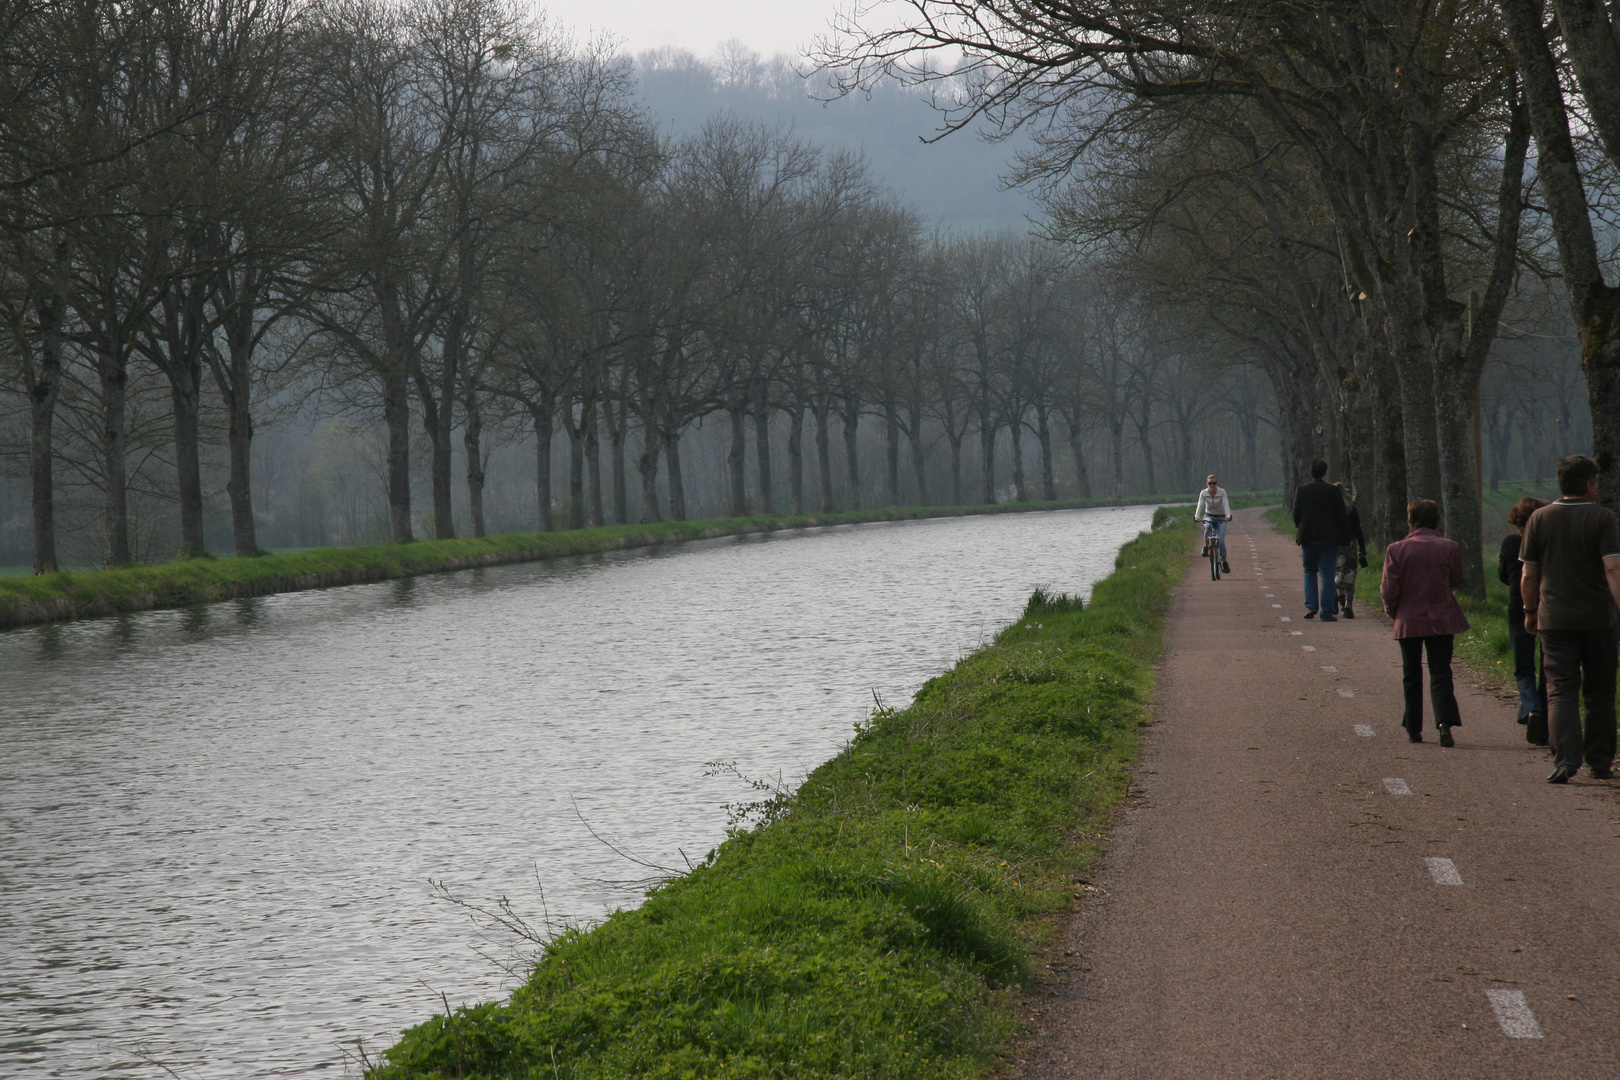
x=82, y=594
x=880, y=920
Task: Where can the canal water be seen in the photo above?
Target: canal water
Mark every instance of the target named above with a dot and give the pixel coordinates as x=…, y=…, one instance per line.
x=218, y=826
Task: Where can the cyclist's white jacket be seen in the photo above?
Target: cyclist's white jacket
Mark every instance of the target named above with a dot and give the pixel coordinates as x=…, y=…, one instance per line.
x=1216, y=504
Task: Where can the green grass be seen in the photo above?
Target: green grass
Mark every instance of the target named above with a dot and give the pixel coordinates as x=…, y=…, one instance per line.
x=80, y=593
x=880, y=921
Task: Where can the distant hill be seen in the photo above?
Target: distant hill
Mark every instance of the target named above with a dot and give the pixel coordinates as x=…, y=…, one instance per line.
x=956, y=181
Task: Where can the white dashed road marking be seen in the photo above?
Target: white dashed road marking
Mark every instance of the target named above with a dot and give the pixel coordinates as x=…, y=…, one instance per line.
x=1307, y=648
x=1444, y=871
x=1299, y=633
x=1276, y=605
x=1513, y=1013
x=1396, y=786
x=1284, y=618
x=1365, y=730
x=1346, y=693
x=1329, y=667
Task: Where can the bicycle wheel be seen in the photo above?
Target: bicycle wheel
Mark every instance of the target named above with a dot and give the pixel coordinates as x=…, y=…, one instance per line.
x=1214, y=560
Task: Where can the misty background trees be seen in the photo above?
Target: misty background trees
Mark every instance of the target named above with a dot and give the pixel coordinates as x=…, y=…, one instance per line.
x=284, y=274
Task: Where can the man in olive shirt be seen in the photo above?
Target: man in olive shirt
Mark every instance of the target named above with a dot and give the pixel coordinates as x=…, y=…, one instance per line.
x=1571, y=590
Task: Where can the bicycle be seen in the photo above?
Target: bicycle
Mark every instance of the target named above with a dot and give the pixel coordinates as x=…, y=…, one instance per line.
x=1212, y=546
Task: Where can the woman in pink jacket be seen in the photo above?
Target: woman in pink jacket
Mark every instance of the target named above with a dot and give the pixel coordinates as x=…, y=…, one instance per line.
x=1419, y=574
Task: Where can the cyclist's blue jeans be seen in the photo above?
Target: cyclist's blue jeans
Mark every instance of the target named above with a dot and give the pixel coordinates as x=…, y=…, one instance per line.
x=1220, y=532
x=1321, y=566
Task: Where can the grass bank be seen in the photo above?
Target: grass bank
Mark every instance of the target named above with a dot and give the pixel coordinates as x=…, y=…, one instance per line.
x=879, y=921
x=81, y=594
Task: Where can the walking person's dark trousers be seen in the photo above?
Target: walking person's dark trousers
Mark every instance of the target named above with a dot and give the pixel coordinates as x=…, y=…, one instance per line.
x=1441, y=693
x=1532, y=684
x=1321, y=567
x=1580, y=664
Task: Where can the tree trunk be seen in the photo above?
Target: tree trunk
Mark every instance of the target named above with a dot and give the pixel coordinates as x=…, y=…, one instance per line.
x=397, y=418
x=1462, y=481
x=44, y=389
x=1116, y=448
x=576, y=468
x=1414, y=369
x=593, y=463
x=185, y=398
x=918, y=462
x=541, y=415
x=762, y=446
x=239, y=435
x=891, y=450
x=672, y=464
x=796, y=460
x=1015, y=428
x=647, y=466
x=1146, y=442
x=618, y=433
x=472, y=437
x=1082, y=475
x=987, y=452
x=824, y=457
x=736, y=456
x=956, y=467
x=852, y=462
x=1389, y=468
x=1043, y=432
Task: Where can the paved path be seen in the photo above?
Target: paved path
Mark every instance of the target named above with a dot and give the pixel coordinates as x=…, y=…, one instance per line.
x=1298, y=891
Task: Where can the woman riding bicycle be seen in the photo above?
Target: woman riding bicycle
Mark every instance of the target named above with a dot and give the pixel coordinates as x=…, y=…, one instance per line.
x=1212, y=503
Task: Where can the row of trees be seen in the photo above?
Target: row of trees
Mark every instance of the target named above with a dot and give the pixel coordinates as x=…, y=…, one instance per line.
x=1340, y=193
x=443, y=217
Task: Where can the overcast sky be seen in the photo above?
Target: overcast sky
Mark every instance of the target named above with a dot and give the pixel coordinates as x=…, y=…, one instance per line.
x=767, y=26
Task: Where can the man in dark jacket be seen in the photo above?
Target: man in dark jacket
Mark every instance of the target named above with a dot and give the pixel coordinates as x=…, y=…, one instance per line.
x=1324, y=527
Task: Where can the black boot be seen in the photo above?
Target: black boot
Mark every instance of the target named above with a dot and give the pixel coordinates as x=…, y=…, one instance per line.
x=1535, y=729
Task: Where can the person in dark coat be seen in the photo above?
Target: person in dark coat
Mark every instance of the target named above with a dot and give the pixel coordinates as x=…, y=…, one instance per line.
x=1352, y=557
x=1323, y=527
x=1532, y=692
x=1419, y=574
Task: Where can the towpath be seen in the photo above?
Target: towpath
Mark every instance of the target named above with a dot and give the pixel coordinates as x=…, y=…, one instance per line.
x=1298, y=891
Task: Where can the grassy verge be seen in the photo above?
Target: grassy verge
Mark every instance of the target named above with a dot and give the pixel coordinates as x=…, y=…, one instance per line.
x=880, y=920
x=79, y=594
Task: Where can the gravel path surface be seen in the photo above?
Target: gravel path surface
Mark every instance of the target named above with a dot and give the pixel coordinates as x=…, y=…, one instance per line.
x=1298, y=891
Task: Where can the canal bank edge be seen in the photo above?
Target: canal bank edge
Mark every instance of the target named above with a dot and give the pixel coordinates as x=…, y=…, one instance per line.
x=881, y=920
x=67, y=595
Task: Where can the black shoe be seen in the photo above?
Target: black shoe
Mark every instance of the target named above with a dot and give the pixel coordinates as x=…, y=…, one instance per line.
x=1604, y=773
x=1414, y=736
x=1349, y=614
x=1328, y=618
x=1535, y=729
x=1525, y=719
x=1561, y=775
x=1226, y=567
x=1205, y=553
x=1310, y=614
x=1445, y=737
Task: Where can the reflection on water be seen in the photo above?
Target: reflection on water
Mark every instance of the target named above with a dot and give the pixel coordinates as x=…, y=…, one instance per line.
x=217, y=825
